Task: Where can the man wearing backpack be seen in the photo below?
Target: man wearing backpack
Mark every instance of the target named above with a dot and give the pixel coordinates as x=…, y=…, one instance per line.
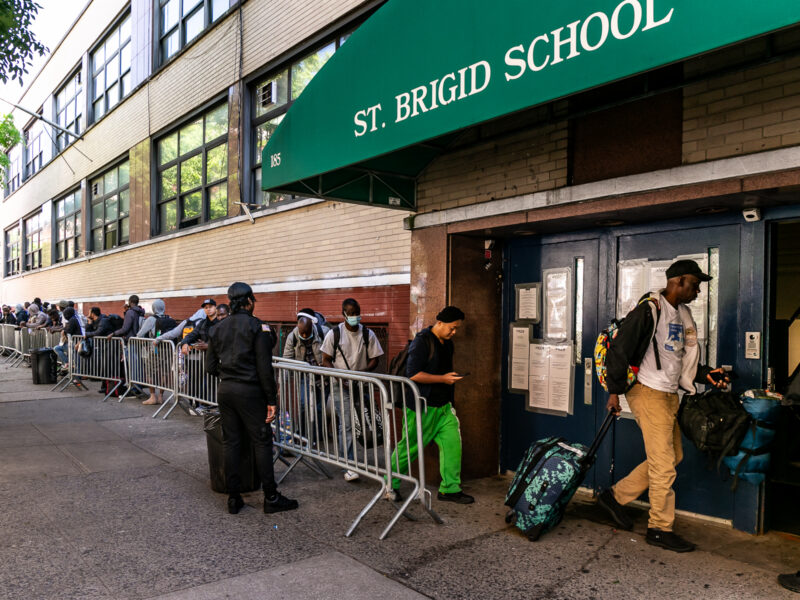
x=659, y=337
x=353, y=347
x=154, y=325
x=430, y=366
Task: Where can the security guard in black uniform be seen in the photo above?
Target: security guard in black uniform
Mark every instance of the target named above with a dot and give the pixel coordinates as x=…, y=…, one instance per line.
x=240, y=354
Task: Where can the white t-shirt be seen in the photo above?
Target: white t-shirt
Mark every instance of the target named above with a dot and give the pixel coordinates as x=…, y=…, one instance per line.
x=671, y=340
x=351, y=345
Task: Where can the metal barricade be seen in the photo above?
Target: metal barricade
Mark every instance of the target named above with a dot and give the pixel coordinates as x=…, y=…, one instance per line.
x=151, y=363
x=192, y=382
x=7, y=339
x=335, y=417
x=53, y=339
x=104, y=362
x=25, y=341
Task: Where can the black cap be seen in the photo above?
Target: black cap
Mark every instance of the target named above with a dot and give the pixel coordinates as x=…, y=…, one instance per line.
x=686, y=267
x=210, y=301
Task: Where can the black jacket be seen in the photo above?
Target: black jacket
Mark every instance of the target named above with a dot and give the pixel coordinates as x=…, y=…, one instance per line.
x=240, y=350
x=634, y=337
x=200, y=332
x=130, y=324
x=102, y=327
x=8, y=319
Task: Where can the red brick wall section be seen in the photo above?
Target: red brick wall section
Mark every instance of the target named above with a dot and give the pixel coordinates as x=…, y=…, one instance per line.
x=388, y=304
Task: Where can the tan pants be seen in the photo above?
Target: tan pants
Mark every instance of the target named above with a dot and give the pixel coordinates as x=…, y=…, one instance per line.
x=656, y=414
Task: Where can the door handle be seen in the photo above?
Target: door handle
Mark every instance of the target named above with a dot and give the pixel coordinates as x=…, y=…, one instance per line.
x=588, y=365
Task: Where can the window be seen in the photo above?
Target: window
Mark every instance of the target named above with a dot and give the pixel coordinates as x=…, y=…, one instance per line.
x=271, y=99
x=111, y=208
x=12, y=251
x=69, y=110
x=14, y=176
x=33, y=242
x=33, y=148
x=68, y=226
x=193, y=172
x=111, y=69
x=181, y=21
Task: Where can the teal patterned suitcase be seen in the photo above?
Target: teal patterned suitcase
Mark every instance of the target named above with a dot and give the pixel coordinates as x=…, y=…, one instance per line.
x=546, y=480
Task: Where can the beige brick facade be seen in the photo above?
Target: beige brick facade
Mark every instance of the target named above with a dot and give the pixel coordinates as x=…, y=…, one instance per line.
x=746, y=111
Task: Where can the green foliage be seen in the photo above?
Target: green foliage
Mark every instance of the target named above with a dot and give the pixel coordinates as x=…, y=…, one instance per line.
x=9, y=137
x=17, y=41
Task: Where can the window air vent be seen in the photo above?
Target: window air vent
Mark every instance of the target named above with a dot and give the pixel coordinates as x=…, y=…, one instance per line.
x=267, y=93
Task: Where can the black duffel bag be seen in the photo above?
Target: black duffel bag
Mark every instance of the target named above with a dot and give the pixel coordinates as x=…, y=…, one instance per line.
x=715, y=422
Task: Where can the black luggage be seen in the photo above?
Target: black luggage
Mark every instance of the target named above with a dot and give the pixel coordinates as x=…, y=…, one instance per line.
x=546, y=480
x=44, y=366
x=248, y=468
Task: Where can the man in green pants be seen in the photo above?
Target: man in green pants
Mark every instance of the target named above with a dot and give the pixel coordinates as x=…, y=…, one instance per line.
x=430, y=366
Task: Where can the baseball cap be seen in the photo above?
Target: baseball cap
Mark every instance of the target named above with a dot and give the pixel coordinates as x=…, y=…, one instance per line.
x=210, y=301
x=62, y=304
x=687, y=267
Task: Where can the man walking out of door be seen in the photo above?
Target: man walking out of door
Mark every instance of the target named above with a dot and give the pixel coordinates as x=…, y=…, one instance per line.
x=660, y=337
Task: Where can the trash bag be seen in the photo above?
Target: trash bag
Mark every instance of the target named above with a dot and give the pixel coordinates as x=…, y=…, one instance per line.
x=248, y=468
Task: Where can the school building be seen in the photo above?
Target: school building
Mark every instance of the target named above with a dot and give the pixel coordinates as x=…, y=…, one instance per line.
x=536, y=164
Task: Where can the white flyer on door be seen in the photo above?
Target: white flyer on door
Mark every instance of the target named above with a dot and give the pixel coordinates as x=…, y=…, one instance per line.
x=520, y=348
x=539, y=367
x=560, y=377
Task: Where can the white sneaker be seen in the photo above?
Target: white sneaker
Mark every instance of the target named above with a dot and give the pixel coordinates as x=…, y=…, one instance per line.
x=350, y=475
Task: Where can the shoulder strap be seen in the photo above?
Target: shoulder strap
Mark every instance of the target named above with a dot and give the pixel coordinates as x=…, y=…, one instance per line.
x=365, y=337
x=655, y=305
x=337, y=334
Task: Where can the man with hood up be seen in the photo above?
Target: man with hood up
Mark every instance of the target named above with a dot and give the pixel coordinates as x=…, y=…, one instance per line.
x=130, y=323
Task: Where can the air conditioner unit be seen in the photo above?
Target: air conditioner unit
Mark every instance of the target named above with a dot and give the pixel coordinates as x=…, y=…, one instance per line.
x=267, y=94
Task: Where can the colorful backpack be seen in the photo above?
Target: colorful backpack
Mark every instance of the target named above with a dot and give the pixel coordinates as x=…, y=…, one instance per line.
x=604, y=343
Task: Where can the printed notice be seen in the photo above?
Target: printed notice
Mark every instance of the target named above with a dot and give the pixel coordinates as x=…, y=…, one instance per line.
x=631, y=285
x=520, y=348
x=551, y=377
x=557, y=293
x=538, y=390
x=528, y=304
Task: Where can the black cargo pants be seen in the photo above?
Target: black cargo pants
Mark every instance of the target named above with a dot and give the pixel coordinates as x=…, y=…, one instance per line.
x=244, y=412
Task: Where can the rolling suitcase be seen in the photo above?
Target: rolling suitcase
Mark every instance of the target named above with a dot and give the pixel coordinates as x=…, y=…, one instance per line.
x=546, y=480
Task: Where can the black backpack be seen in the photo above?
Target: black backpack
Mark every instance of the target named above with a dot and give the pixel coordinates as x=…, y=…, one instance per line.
x=715, y=421
x=164, y=323
x=116, y=322
x=397, y=366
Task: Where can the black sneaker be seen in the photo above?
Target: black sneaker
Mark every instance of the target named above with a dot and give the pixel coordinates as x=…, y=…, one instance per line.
x=791, y=581
x=615, y=510
x=457, y=497
x=235, y=504
x=668, y=539
x=279, y=503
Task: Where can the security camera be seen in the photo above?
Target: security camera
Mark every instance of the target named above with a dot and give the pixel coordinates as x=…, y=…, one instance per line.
x=751, y=214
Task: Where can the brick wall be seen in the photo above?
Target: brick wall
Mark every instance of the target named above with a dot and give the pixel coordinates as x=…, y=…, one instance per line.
x=530, y=160
x=383, y=305
x=743, y=112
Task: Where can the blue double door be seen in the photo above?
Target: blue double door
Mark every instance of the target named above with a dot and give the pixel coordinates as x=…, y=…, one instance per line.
x=596, y=254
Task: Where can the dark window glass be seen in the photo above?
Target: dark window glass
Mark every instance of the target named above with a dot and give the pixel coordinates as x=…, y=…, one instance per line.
x=111, y=208
x=68, y=226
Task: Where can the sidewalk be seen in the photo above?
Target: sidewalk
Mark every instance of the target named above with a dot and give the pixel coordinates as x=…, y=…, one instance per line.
x=102, y=501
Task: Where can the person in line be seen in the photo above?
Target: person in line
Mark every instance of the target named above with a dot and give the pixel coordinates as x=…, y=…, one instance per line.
x=55, y=319
x=659, y=337
x=99, y=325
x=198, y=337
x=430, y=366
x=304, y=343
x=72, y=326
x=8, y=316
x=152, y=327
x=352, y=347
x=131, y=320
x=36, y=318
x=20, y=314
x=240, y=355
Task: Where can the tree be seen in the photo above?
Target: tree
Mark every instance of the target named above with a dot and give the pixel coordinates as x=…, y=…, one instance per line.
x=17, y=41
x=9, y=137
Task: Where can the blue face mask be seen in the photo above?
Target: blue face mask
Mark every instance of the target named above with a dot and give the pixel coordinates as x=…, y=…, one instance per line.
x=353, y=321
x=305, y=339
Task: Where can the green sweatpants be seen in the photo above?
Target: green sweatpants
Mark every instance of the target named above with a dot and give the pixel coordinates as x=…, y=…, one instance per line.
x=439, y=425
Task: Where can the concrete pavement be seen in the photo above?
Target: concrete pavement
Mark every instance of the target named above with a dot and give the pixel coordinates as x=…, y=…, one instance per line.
x=101, y=501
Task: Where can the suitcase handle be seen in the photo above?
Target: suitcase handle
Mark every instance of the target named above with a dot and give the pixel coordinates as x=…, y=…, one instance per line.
x=600, y=435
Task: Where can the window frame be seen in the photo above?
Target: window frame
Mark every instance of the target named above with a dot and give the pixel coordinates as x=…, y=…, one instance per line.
x=205, y=185
x=256, y=121
x=101, y=199
x=33, y=160
x=12, y=256
x=79, y=99
x=27, y=264
x=161, y=34
x=14, y=172
x=93, y=72
x=77, y=232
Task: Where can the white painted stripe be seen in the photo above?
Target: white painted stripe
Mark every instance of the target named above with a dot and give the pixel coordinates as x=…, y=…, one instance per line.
x=717, y=170
x=265, y=288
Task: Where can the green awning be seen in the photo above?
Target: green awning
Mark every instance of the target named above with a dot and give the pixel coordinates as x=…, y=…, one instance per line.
x=391, y=99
